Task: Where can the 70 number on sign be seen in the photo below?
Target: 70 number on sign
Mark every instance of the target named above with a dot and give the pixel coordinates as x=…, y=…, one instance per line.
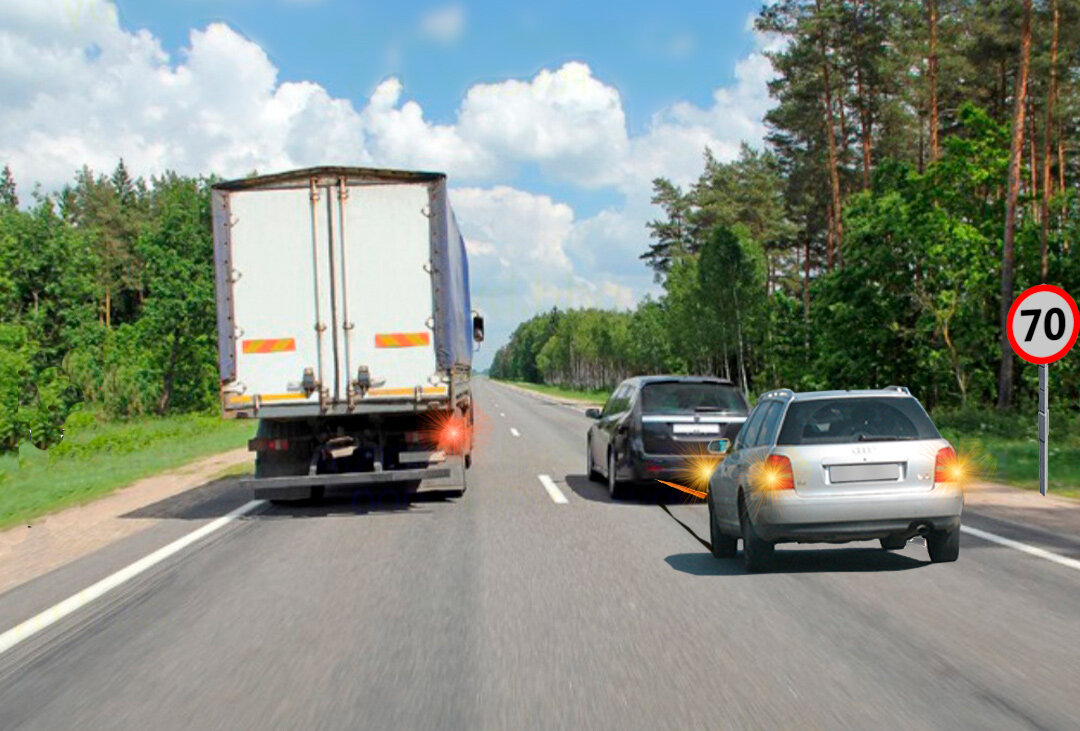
x=1056, y=311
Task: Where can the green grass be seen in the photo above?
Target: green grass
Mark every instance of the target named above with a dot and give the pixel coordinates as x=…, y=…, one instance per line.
x=596, y=396
x=95, y=459
x=1003, y=447
x=1016, y=461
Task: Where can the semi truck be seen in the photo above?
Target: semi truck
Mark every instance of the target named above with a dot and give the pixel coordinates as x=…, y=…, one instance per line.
x=345, y=327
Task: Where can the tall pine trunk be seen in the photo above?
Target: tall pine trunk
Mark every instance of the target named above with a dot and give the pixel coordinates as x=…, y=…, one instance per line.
x=866, y=123
x=1051, y=98
x=830, y=133
x=932, y=64
x=1008, y=249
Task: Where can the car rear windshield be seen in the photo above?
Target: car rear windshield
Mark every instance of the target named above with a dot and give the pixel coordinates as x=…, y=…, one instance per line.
x=855, y=419
x=675, y=397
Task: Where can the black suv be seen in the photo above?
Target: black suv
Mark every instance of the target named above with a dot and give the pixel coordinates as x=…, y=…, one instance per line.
x=652, y=425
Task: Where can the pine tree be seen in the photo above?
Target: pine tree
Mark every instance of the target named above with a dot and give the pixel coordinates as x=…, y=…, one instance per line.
x=9, y=197
x=1008, y=252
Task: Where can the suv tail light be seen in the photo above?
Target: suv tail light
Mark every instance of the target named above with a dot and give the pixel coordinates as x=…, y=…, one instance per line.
x=778, y=472
x=946, y=467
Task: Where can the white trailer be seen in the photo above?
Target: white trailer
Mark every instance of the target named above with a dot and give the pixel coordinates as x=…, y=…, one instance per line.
x=344, y=326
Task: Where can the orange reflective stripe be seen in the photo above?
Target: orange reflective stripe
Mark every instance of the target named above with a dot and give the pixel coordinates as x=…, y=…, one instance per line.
x=271, y=345
x=392, y=391
x=401, y=340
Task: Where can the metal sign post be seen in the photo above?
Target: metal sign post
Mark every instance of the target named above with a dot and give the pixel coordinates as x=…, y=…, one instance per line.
x=1042, y=326
x=1044, y=427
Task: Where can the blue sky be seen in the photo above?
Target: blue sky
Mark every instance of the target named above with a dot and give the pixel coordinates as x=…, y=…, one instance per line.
x=551, y=120
x=654, y=53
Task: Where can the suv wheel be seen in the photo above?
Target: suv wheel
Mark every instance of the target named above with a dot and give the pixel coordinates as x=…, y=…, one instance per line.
x=943, y=545
x=757, y=552
x=617, y=489
x=723, y=546
x=594, y=476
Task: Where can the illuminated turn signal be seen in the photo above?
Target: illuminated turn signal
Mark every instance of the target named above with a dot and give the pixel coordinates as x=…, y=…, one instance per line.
x=947, y=467
x=777, y=474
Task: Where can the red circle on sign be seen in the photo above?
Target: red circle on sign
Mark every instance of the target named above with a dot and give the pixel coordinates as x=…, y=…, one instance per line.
x=1016, y=305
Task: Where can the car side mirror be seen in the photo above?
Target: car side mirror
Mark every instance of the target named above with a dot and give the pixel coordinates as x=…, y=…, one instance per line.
x=478, y=328
x=592, y=413
x=719, y=446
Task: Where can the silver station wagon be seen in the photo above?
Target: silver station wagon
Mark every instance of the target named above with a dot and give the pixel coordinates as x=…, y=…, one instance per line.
x=836, y=466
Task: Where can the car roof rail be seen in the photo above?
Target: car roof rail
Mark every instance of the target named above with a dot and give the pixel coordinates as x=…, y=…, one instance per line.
x=778, y=393
x=897, y=389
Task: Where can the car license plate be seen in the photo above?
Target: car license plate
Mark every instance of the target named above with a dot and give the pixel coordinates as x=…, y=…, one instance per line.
x=696, y=428
x=864, y=472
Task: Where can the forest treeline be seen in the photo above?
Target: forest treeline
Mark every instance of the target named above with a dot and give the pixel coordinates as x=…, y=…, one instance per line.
x=920, y=170
x=106, y=302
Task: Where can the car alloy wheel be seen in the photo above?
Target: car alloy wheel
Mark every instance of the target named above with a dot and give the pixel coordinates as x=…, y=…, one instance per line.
x=617, y=489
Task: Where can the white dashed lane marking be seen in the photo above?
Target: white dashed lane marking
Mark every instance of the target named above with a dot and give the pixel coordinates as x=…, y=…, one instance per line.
x=553, y=490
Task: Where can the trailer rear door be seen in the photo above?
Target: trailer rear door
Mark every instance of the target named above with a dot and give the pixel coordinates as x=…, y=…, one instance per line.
x=280, y=290
x=386, y=288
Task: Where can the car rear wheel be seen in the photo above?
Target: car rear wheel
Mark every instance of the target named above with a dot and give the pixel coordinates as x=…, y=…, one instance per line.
x=757, y=552
x=943, y=545
x=594, y=476
x=893, y=543
x=617, y=489
x=722, y=546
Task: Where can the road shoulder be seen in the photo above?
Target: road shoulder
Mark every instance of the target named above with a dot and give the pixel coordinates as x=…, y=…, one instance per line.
x=574, y=403
x=31, y=550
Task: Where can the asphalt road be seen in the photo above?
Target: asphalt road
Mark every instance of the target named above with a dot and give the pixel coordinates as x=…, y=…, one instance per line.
x=508, y=610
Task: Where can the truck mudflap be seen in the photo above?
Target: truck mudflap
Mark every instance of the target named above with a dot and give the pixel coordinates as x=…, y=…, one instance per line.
x=302, y=487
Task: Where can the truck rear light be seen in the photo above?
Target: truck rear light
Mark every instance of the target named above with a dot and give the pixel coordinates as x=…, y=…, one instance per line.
x=777, y=473
x=946, y=466
x=268, y=445
x=454, y=437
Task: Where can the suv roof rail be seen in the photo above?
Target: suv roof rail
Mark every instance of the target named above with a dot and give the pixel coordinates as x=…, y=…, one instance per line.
x=778, y=393
x=897, y=389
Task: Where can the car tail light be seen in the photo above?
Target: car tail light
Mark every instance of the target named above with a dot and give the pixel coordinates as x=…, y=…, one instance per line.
x=946, y=466
x=778, y=472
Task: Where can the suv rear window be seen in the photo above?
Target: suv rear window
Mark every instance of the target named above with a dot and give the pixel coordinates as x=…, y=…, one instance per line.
x=855, y=419
x=679, y=397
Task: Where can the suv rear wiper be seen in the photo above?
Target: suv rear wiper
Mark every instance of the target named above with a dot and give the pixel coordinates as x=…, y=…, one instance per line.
x=717, y=409
x=873, y=438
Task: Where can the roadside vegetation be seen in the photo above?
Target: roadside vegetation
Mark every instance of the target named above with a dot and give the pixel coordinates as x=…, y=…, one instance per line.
x=108, y=356
x=95, y=458
x=106, y=303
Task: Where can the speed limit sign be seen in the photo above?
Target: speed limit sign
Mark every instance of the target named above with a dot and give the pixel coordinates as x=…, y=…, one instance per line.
x=1042, y=327
x=1043, y=324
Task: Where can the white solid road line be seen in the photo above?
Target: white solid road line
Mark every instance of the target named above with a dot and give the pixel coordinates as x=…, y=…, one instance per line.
x=1071, y=563
x=54, y=614
x=553, y=490
x=515, y=432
